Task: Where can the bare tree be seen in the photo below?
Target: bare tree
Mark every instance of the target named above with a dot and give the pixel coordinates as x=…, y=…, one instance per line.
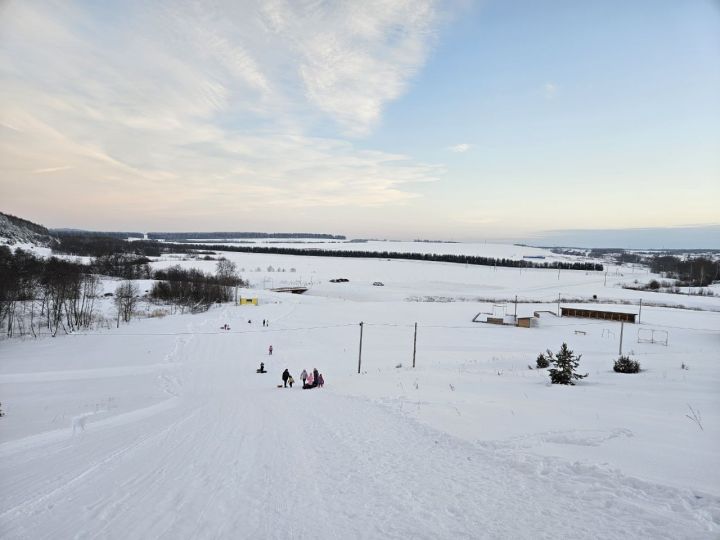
x=226, y=272
x=126, y=298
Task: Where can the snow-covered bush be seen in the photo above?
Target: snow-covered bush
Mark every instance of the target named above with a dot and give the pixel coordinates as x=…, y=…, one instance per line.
x=564, y=365
x=625, y=364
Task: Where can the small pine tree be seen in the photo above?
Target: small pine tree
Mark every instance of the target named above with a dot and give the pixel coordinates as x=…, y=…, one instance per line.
x=625, y=364
x=543, y=360
x=564, y=365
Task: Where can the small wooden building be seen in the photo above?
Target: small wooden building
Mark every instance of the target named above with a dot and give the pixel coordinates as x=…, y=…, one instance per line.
x=248, y=301
x=597, y=314
x=526, y=322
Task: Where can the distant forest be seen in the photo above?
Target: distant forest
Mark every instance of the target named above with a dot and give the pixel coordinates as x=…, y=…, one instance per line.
x=99, y=247
x=95, y=234
x=462, y=259
x=229, y=235
x=177, y=236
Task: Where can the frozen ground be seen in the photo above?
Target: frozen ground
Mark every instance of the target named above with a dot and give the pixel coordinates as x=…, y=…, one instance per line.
x=162, y=428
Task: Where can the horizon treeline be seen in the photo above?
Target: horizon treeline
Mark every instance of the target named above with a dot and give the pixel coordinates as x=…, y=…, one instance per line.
x=434, y=257
x=230, y=235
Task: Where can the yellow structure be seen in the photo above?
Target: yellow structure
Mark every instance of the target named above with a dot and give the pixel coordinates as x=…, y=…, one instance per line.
x=248, y=301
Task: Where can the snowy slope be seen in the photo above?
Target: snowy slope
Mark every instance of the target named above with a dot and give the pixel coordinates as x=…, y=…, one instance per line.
x=162, y=428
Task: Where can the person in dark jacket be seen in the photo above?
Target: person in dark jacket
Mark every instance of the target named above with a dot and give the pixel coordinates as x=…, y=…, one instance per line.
x=316, y=377
x=285, y=377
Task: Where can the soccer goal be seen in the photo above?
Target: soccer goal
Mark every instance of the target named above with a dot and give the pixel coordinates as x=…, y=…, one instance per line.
x=650, y=335
x=499, y=310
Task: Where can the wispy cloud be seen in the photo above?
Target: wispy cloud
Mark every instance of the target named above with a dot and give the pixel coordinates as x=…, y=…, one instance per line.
x=208, y=106
x=51, y=169
x=460, y=148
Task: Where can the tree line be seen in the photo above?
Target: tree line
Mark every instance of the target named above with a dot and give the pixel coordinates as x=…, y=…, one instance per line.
x=89, y=245
x=690, y=272
x=229, y=235
x=122, y=235
x=194, y=289
x=690, y=268
x=50, y=292
x=60, y=294
x=462, y=259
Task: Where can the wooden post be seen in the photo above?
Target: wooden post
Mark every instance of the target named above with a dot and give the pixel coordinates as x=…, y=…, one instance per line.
x=360, y=352
x=622, y=326
x=414, y=344
x=558, y=310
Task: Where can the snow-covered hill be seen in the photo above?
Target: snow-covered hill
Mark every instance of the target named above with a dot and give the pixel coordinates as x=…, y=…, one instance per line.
x=162, y=428
x=14, y=230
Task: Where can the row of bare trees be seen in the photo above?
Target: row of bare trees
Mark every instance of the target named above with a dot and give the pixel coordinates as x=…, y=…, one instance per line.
x=194, y=289
x=53, y=294
x=50, y=293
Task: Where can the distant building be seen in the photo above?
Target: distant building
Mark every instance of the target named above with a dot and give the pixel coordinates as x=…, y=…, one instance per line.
x=597, y=314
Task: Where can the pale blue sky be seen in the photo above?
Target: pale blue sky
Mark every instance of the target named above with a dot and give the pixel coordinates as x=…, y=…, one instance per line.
x=453, y=120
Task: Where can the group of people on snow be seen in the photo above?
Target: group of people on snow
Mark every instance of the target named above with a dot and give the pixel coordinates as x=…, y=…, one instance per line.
x=312, y=379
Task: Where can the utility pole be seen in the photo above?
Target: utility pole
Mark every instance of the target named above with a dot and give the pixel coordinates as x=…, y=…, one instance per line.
x=360, y=353
x=605, y=284
x=640, y=313
x=622, y=326
x=516, y=308
x=558, y=309
x=414, y=344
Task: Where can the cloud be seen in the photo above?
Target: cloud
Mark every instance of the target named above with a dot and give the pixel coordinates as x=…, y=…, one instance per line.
x=206, y=108
x=51, y=169
x=460, y=148
x=550, y=90
x=357, y=57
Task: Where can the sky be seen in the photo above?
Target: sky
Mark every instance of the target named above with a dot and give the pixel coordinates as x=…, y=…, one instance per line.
x=451, y=120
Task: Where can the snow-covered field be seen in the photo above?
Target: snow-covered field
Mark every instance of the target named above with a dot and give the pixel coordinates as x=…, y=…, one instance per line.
x=162, y=428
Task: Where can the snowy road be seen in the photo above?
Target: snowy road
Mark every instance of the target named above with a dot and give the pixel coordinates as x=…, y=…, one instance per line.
x=229, y=455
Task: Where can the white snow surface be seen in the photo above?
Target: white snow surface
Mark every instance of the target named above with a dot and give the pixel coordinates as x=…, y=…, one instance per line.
x=162, y=428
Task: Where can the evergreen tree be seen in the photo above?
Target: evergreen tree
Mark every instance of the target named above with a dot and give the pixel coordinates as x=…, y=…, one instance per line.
x=564, y=365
